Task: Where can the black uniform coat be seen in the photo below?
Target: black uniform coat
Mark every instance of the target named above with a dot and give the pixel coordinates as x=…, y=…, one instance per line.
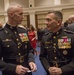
x=15, y=49
x=58, y=50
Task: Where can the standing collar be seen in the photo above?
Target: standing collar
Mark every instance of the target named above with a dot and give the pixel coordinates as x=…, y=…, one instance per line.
x=11, y=27
x=58, y=32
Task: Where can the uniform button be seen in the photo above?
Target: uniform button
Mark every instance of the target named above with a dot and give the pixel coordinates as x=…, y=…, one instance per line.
x=54, y=47
x=54, y=37
x=8, y=46
x=57, y=32
x=6, y=31
x=47, y=47
x=55, y=57
x=54, y=51
x=54, y=44
x=15, y=32
x=7, y=39
x=18, y=47
x=17, y=39
x=19, y=44
x=19, y=53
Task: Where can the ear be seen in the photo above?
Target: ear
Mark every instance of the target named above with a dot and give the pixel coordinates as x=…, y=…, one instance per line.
x=11, y=14
x=59, y=22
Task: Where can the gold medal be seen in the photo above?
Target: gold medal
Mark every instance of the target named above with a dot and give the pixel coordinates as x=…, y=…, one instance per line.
x=65, y=52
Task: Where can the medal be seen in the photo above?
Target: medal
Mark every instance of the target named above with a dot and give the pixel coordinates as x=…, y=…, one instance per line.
x=65, y=52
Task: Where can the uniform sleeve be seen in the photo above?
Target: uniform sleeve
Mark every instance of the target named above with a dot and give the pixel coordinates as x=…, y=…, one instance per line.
x=6, y=66
x=30, y=53
x=68, y=68
x=43, y=57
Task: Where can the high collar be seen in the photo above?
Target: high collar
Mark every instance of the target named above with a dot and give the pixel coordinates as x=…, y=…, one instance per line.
x=58, y=32
x=11, y=27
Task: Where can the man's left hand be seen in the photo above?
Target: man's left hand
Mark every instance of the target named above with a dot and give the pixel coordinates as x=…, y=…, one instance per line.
x=56, y=70
x=33, y=66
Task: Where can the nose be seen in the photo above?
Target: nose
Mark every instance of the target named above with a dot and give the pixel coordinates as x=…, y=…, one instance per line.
x=46, y=22
x=22, y=16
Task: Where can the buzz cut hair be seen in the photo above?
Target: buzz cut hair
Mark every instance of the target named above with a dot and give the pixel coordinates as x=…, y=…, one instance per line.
x=58, y=14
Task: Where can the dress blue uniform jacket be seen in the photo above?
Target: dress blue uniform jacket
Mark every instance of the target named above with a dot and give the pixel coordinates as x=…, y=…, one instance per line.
x=57, y=49
x=15, y=49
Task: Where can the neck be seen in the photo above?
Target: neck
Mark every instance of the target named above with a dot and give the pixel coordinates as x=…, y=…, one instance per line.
x=11, y=24
x=56, y=29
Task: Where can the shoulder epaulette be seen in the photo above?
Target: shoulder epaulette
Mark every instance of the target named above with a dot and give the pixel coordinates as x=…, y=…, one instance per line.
x=22, y=27
x=69, y=31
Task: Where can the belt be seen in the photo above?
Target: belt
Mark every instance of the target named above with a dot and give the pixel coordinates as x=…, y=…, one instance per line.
x=19, y=59
x=59, y=63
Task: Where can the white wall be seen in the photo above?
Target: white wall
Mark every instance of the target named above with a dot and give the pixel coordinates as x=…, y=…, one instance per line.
x=24, y=3
x=43, y=3
x=40, y=5
x=67, y=13
x=67, y=1
x=1, y=5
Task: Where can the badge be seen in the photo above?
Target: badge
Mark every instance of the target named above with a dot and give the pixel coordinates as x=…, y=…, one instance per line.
x=65, y=52
x=6, y=40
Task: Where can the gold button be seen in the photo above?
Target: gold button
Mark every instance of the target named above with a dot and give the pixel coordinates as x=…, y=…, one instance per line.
x=54, y=37
x=19, y=53
x=54, y=51
x=54, y=47
x=55, y=57
x=7, y=45
x=15, y=32
x=54, y=44
x=6, y=31
x=47, y=47
x=57, y=32
x=7, y=39
x=19, y=43
x=18, y=46
x=17, y=39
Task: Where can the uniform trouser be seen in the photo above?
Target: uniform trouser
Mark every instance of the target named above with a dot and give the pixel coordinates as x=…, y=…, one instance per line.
x=7, y=73
x=72, y=73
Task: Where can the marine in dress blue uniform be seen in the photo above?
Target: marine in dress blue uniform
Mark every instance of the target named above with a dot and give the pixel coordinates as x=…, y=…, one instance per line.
x=15, y=49
x=58, y=50
x=57, y=47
